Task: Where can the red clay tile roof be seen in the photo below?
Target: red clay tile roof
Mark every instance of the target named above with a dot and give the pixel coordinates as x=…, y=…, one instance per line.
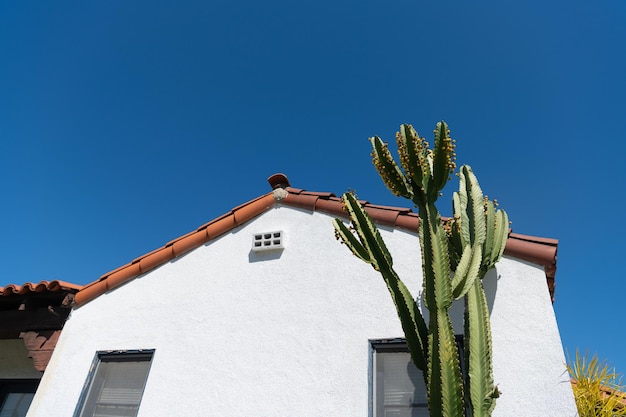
x=537, y=250
x=43, y=286
x=36, y=313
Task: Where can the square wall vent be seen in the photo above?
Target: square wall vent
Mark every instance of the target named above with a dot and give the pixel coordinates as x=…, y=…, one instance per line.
x=267, y=241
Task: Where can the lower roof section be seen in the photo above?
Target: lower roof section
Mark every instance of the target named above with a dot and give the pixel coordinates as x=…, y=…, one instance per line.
x=36, y=313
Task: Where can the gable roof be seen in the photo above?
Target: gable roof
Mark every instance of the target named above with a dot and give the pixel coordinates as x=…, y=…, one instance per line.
x=541, y=251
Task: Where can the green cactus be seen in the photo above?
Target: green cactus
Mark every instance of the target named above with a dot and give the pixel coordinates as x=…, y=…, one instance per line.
x=456, y=255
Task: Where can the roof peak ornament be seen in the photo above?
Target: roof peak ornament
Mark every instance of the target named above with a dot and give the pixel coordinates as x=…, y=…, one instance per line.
x=279, y=182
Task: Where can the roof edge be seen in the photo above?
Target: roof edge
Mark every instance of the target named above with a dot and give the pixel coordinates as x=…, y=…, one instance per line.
x=39, y=287
x=537, y=250
x=175, y=248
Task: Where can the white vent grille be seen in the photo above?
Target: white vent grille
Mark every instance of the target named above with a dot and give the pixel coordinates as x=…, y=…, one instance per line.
x=267, y=241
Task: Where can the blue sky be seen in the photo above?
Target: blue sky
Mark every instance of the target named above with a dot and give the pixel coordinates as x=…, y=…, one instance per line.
x=126, y=124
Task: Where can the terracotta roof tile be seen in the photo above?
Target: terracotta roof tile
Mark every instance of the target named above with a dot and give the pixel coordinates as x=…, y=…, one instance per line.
x=42, y=308
x=189, y=241
x=250, y=210
x=98, y=288
x=220, y=226
x=383, y=216
x=39, y=287
x=304, y=201
x=156, y=258
x=332, y=206
x=537, y=250
x=121, y=275
x=408, y=221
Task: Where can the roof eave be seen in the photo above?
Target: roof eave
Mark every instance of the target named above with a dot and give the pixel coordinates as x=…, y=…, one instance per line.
x=537, y=250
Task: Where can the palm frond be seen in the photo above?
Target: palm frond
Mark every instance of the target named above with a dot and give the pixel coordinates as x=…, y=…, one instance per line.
x=598, y=388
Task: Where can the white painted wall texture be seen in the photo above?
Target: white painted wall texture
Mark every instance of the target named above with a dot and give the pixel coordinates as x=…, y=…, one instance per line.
x=238, y=333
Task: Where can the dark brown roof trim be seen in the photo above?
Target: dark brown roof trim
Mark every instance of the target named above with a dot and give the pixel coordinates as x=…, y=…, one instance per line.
x=537, y=250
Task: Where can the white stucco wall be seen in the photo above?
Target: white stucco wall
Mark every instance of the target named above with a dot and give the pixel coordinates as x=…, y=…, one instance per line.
x=238, y=333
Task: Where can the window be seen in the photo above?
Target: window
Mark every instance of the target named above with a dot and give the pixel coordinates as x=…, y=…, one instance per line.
x=115, y=384
x=16, y=396
x=398, y=388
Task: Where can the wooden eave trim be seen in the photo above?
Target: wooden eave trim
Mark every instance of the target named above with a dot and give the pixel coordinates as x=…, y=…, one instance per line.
x=16, y=321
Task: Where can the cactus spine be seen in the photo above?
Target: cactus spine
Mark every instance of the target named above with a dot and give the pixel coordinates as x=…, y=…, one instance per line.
x=456, y=255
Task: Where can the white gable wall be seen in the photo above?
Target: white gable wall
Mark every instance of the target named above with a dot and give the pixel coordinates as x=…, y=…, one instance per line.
x=238, y=333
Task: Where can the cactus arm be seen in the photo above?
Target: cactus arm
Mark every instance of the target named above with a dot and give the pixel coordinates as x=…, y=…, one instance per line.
x=500, y=236
x=412, y=151
x=456, y=203
x=443, y=159
x=497, y=229
x=455, y=232
x=490, y=230
x=460, y=209
x=480, y=222
x=388, y=170
x=378, y=256
x=467, y=271
x=367, y=232
x=369, y=238
x=455, y=239
x=462, y=267
x=444, y=382
x=435, y=261
x=347, y=237
x=411, y=319
x=478, y=342
x=451, y=381
x=482, y=228
x=475, y=206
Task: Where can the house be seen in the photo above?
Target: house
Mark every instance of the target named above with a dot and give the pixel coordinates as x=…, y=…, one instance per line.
x=261, y=312
x=31, y=319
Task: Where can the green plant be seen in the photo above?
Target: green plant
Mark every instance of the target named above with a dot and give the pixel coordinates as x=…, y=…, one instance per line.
x=598, y=389
x=456, y=255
